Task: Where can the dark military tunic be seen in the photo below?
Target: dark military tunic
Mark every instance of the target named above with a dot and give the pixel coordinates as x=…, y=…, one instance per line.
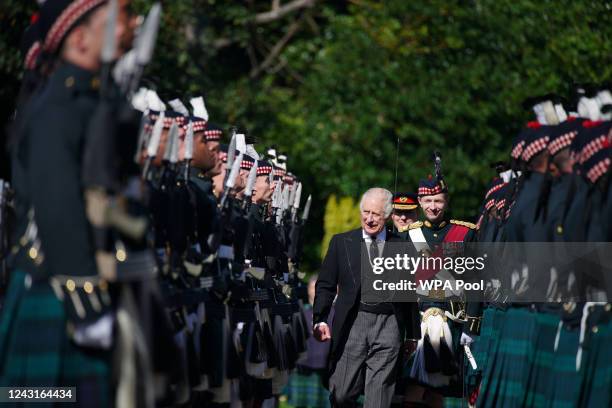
x=403, y=234
x=206, y=210
x=35, y=348
x=526, y=335
x=254, y=244
x=522, y=225
x=556, y=206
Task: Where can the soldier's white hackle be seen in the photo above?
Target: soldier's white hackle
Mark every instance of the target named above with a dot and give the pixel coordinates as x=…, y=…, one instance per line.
x=199, y=107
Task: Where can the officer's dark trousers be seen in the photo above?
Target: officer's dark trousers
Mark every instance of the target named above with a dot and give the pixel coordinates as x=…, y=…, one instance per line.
x=368, y=363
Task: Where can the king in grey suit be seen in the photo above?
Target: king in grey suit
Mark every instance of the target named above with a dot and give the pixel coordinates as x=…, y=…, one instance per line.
x=366, y=337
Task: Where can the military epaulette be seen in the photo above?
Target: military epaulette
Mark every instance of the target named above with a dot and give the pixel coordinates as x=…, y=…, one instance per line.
x=403, y=229
x=464, y=223
x=417, y=224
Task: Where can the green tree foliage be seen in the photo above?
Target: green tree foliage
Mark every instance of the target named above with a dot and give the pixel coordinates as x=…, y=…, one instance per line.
x=341, y=215
x=14, y=18
x=337, y=84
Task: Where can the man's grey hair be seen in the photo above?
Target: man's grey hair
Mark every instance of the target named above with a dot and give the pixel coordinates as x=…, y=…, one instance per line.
x=384, y=195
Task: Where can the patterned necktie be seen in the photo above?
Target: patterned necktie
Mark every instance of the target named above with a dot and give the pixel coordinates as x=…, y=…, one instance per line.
x=373, y=249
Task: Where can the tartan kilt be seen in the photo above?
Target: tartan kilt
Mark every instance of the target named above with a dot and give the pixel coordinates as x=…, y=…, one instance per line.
x=484, y=347
x=564, y=379
x=506, y=383
x=538, y=383
x=596, y=365
x=486, y=353
x=306, y=390
x=35, y=349
x=455, y=388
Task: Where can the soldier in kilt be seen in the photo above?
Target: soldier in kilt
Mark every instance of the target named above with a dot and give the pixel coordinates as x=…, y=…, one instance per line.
x=518, y=362
x=435, y=370
x=594, y=357
x=487, y=341
x=43, y=340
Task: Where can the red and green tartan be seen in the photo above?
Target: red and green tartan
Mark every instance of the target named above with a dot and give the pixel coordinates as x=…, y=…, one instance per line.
x=35, y=349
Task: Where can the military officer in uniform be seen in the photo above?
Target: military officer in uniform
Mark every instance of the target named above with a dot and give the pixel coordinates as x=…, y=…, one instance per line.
x=436, y=366
x=404, y=212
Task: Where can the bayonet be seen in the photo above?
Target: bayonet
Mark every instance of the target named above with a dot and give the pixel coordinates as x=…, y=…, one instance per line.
x=109, y=47
x=277, y=198
x=173, y=139
x=282, y=206
x=298, y=196
x=285, y=199
x=231, y=179
x=145, y=43
x=123, y=69
x=158, y=128
x=306, y=212
x=172, y=133
x=231, y=152
x=248, y=192
x=231, y=155
x=292, y=195
x=296, y=201
x=144, y=46
x=240, y=143
x=142, y=136
x=188, y=148
x=251, y=181
x=154, y=140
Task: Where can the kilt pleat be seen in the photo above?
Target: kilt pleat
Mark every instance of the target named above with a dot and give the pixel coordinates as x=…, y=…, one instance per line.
x=564, y=379
x=9, y=308
x=506, y=384
x=483, y=347
x=492, y=368
x=37, y=351
x=596, y=367
x=541, y=368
